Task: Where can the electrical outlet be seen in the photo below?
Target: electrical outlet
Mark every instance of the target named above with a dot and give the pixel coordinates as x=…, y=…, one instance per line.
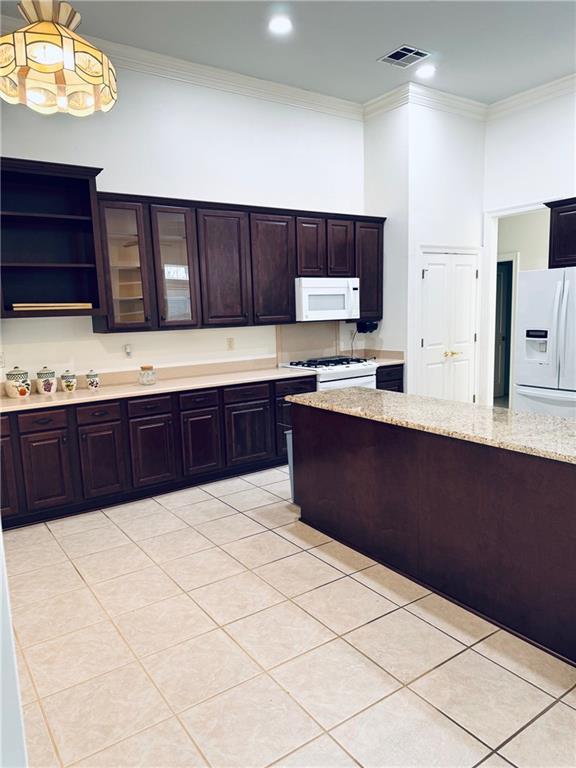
x=230, y=342
x=127, y=350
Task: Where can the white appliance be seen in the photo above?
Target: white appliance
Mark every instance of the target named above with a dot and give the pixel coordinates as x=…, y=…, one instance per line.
x=327, y=298
x=545, y=348
x=339, y=372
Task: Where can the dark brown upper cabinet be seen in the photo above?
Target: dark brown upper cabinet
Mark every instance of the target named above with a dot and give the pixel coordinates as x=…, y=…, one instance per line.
x=176, y=265
x=369, y=264
x=311, y=246
x=340, y=242
x=562, y=233
x=128, y=266
x=224, y=247
x=273, y=241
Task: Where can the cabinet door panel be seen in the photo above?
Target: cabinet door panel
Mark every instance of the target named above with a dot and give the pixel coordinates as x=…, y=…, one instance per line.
x=369, y=263
x=127, y=265
x=311, y=247
x=8, y=490
x=563, y=236
x=176, y=262
x=340, y=240
x=47, y=469
x=225, y=267
x=152, y=449
x=248, y=432
x=273, y=267
x=201, y=440
x=102, y=459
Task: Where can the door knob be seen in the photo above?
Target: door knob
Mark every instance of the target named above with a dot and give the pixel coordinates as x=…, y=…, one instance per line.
x=446, y=353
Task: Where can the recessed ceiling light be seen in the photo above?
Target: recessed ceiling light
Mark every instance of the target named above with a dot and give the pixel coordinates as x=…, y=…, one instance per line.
x=280, y=25
x=426, y=71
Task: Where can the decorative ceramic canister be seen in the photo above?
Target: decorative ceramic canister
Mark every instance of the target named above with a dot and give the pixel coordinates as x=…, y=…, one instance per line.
x=17, y=383
x=147, y=375
x=46, y=381
x=92, y=380
x=69, y=381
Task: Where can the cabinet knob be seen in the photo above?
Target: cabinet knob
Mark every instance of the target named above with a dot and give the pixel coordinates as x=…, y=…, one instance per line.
x=163, y=317
x=97, y=414
x=64, y=440
x=84, y=436
x=146, y=318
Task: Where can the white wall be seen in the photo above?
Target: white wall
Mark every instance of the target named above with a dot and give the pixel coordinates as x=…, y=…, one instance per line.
x=170, y=138
x=528, y=235
x=531, y=155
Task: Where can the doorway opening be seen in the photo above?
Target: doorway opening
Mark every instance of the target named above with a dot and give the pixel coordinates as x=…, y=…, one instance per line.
x=503, y=333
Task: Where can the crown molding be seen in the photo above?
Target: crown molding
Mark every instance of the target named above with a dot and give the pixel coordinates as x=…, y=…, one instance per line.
x=414, y=93
x=158, y=65
x=557, y=88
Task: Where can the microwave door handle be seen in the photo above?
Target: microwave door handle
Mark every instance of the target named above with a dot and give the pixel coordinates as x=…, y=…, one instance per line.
x=562, y=331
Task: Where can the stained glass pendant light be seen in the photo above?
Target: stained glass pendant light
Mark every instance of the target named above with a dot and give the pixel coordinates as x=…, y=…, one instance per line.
x=50, y=68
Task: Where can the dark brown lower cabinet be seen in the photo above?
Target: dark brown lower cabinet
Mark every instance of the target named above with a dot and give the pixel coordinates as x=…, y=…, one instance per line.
x=152, y=450
x=248, y=432
x=201, y=440
x=47, y=469
x=390, y=377
x=8, y=490
x=102, y=459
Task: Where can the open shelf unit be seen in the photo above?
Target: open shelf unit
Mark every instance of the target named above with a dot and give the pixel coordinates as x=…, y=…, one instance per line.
x=50, y=241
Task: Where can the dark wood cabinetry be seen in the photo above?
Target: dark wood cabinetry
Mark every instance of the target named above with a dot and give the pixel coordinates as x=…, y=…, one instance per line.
x=102, y=459
x=340, y=247
x=369, y=265
x=47, y=469
x=8, y=488
x=273, y=241
x=201, y=440
x=390, y=377
x=152, y=450
x=50, y=240
x=60, y=461
x=176, y=266
x=223, y=238
x=562, y=233
x=311, y=246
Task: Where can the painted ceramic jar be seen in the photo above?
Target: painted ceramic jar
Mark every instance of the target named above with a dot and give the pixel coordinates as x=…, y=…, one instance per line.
x=92, y=380
x=147, y=375
x=46, y=381
x=69, y=381
x=17, y=383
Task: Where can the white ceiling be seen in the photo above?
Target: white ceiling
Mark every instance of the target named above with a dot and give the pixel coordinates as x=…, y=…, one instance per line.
x=483, y=50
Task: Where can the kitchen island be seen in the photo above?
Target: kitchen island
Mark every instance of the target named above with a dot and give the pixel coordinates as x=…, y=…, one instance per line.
x=476, y=503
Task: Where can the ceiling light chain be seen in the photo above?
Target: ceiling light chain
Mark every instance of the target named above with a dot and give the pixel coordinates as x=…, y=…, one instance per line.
x=49, y=68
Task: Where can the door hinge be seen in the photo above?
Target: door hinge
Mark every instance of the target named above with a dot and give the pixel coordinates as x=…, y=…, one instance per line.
x=424, y=273
x=475, y=337
x=473, y=398
x=476, y=274
x=422, y=343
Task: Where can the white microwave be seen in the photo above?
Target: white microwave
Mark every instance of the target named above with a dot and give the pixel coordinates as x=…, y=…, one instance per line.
x=327, y=298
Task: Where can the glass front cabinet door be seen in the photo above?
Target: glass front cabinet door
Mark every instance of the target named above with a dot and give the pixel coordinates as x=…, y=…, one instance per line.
x=176, y=264
x=127, y=265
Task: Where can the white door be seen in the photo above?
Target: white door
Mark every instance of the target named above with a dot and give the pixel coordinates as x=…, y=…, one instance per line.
x=448, y=337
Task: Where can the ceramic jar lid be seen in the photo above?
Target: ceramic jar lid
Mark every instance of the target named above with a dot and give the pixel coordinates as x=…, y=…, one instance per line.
x=67, y=375
x=46, y=373
x=91, y=374
x=17, y=374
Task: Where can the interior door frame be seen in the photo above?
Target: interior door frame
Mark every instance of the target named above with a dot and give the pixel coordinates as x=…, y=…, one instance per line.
x=514, y=257
x=423, y=251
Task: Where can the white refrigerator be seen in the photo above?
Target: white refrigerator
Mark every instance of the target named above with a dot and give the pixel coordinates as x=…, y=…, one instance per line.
x=545, y=346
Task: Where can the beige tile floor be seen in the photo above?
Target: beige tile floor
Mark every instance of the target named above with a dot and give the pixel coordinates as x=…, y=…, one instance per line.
x=210, y=627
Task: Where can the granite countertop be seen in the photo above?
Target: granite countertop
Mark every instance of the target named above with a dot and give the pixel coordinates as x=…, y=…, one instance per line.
x=163, y=386
x=550, y=437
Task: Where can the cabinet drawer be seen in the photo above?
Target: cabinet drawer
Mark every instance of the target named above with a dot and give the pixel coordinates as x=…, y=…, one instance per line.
x=148, y=405
x=295, y=386
x=4, y=425
x=389, y=373
x=42, y=420
x=93, y=414
x=205, y=398
x=246, y=392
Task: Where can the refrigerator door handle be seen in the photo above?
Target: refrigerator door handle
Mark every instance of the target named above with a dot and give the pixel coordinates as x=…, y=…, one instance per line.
x=555, y=328
x=562, y=328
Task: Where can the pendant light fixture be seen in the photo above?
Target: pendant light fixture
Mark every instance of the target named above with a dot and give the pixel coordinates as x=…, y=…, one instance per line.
x=49, y=68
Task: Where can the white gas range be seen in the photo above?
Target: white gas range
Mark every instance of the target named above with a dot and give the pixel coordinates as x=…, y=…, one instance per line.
x=339, y=372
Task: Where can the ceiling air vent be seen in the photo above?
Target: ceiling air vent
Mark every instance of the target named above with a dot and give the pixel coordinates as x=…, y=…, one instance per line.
x=404, y=56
